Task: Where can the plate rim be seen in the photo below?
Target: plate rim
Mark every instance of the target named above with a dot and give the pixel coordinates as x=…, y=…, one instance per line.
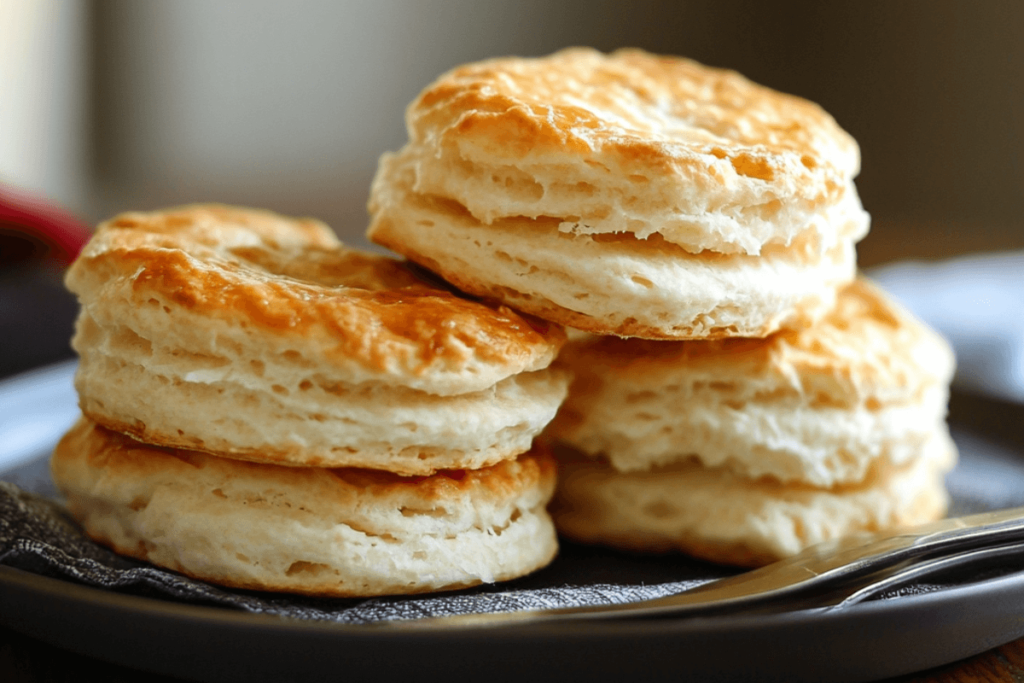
x=55, y=610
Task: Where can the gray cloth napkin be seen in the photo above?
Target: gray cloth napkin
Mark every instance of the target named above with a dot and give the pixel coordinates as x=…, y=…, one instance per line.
x=37, y=535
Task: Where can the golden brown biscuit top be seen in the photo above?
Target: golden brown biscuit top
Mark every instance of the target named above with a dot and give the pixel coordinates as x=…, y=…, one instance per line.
x=649, y=110
x=866, y=347
x=292, y=279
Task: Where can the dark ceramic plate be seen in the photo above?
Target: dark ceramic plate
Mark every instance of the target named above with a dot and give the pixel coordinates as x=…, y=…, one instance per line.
x=905, y=633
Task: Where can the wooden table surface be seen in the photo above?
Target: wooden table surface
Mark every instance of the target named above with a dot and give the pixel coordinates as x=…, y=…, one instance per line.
x=1004, y=663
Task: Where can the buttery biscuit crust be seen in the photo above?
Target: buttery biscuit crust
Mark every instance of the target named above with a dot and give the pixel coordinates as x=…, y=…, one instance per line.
x=290, y=285
x=651, y=144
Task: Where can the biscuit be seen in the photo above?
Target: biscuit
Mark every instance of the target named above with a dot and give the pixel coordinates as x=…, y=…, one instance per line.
x=716, y=515
x=625, y=194
x=817, y=406
x=332, y=532
x=250, y=335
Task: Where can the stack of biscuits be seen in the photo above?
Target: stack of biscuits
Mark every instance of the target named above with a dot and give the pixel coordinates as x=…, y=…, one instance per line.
x=266, y=408
x=740, y=393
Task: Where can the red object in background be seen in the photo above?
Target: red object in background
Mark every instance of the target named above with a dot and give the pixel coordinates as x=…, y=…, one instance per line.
x=32, y=229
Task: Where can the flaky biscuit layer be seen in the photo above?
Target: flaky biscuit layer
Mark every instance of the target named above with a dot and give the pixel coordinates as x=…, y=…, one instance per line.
x=249, y=335
x=821, y=405
x=630, y=142
x=716, y=515
x=208, y=277
x=336, y=532
x=625, y=194
x=302, y=416
x=614, y=284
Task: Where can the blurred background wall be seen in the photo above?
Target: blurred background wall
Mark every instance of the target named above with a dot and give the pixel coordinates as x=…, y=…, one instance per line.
x=107, y=105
